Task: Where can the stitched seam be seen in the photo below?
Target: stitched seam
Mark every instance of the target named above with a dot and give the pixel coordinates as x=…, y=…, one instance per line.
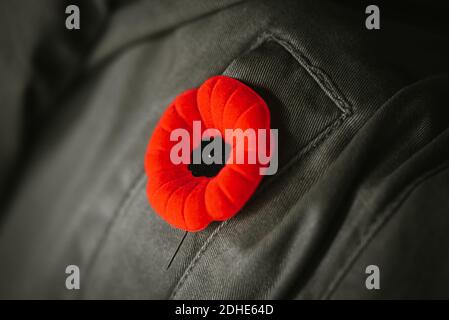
x=322, y=136
x=194, y=261
x=314, y=143
x=327, y=86
x=319, y=75
x=376, y=226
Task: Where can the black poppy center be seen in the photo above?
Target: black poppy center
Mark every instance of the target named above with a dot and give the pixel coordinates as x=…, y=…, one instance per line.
x=205, y=163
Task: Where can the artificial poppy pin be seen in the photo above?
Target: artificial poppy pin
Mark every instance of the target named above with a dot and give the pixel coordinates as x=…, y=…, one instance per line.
x=206, y=155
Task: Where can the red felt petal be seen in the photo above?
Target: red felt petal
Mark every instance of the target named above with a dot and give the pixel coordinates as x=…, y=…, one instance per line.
x=191, y=203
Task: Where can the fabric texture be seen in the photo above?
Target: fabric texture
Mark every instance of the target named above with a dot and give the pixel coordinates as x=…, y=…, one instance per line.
x=363, y=157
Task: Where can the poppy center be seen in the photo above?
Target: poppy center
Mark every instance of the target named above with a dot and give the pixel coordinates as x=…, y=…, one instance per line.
x=209, y=158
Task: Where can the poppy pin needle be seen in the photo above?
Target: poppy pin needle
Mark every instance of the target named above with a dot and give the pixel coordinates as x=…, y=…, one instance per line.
x=177, y=249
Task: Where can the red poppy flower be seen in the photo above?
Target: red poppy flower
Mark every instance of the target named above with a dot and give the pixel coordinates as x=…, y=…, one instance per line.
x=190, y=196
